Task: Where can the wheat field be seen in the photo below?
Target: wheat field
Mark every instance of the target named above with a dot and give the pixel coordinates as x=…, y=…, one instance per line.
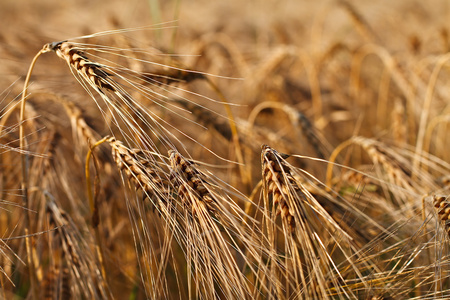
x=224, y=149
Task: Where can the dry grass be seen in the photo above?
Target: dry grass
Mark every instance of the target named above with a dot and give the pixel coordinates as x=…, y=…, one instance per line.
x=133, y=168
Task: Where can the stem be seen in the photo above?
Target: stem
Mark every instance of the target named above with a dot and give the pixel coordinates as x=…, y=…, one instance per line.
x=93, y=207
x=425, y=114
x=24, y=183
x=332, y=159
x=244, y=175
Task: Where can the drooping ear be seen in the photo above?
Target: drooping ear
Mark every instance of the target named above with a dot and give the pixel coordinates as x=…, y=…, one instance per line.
x=52, y=46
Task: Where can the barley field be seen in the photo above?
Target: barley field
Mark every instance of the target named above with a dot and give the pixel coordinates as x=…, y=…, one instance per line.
x=225, y=149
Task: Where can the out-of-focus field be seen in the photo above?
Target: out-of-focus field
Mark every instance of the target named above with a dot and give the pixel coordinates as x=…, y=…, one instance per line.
x=349, y=200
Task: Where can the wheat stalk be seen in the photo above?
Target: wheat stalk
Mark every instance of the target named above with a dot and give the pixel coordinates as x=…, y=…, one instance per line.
x=362, y=26
x=77, y=257
x=205, y=214
x=200, y=223
x=312, y=218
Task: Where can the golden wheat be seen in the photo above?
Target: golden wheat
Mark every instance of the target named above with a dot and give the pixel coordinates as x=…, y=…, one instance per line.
x=76, y=59
x=442, y=206
x=185, y=220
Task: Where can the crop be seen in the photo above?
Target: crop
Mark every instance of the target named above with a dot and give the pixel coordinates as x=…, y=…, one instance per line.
x=299, y=156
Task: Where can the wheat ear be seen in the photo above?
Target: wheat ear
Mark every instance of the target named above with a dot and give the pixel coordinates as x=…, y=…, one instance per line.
x=76, y=59
x=82, y=268
x=138, y=168
x=188, y=181
x=277, y=179
x=210, y=230
x=442, y=207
